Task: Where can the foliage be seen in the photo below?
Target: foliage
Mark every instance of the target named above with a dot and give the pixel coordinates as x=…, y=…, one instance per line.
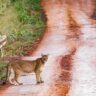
x=3, y=5
x=25, y=26
x=3, y=70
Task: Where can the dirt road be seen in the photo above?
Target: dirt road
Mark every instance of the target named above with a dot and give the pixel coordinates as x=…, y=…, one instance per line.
x=70, y=42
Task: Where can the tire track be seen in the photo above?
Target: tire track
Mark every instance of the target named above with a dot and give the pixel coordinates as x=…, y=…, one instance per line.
x=62, y=76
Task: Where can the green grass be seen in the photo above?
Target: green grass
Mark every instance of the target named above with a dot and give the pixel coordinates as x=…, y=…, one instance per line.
x=3, y=70
x=21, y=22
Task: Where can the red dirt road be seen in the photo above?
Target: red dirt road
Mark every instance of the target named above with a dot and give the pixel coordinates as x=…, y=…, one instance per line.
x=70, y=69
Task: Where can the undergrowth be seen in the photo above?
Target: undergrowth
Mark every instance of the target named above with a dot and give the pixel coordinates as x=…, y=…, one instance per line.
x=27, y=25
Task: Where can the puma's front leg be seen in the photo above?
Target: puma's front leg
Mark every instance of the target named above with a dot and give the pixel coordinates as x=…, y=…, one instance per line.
x=41, y=80
x=38, y=78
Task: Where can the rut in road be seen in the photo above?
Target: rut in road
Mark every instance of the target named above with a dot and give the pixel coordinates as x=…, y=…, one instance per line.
x=61, y=42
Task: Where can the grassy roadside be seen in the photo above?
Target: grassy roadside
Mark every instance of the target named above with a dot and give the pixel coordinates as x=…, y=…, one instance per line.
x=21, y=22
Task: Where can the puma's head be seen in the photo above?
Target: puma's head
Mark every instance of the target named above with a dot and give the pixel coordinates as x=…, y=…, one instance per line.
x=44, y=57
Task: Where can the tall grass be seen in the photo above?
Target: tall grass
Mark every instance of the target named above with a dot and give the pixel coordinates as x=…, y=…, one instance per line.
x=30, y=29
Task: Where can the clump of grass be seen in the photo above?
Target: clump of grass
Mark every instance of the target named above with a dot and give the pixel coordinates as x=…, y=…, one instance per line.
x=29, y=11
x=19, y=40
x=3, y=70
x=3, y=5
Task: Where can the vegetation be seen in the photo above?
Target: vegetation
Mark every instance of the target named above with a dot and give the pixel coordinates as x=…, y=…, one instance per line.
x=21, y=22
x=3, y=71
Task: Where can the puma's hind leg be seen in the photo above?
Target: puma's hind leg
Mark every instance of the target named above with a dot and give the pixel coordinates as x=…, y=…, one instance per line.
x=11, y=76
x=16, y=79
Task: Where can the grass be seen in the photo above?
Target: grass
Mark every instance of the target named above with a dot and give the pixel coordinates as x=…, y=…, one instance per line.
x=3, y=71
x=21, y=22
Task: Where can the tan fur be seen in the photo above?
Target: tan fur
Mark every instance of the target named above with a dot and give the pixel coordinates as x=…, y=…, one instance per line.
x=20, y=67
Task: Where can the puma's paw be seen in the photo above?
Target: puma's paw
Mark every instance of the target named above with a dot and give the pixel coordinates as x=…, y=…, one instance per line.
x=16, y=84
x=38, y=82
x=20, y=83
x=42, y=82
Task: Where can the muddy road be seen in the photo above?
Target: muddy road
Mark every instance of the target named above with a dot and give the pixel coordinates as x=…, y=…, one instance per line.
x=69, y=39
